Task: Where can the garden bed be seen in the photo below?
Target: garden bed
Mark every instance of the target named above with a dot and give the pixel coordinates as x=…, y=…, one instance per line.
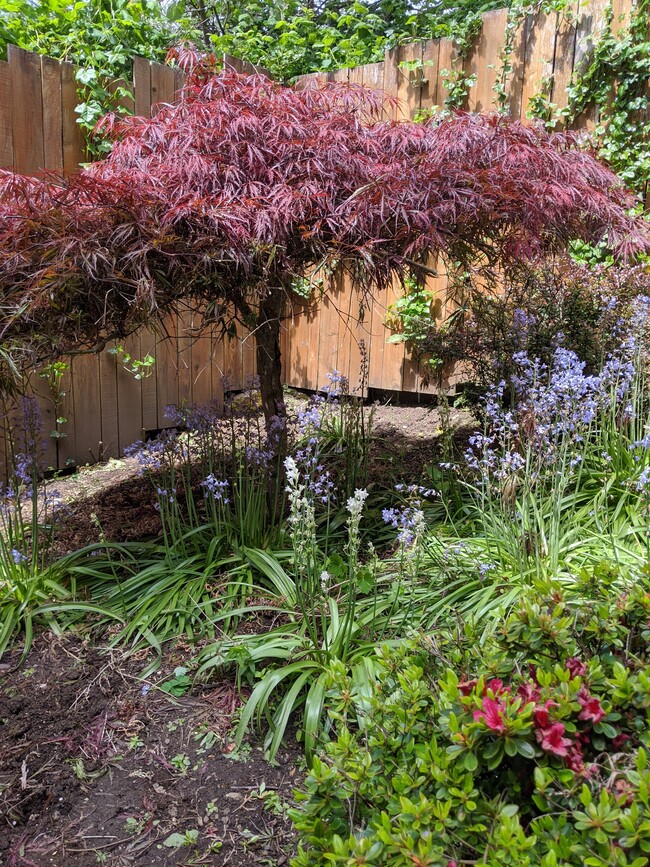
x=99, y=767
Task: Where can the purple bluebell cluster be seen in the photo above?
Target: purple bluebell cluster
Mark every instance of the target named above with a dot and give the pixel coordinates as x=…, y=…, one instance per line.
x=416, y=491
x=643, y=482
x=408, y=521
x=310, y=417
x=317, y=479
x=337, y=384
x=18, y=557
x=216, y=488
x=555, y=407
x=154, y=454
x=522, y=322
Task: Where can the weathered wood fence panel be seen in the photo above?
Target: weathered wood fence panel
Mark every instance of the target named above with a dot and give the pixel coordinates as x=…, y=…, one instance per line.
x=106, y=407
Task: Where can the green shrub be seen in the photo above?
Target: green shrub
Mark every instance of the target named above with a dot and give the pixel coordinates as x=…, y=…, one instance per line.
x=530, y=749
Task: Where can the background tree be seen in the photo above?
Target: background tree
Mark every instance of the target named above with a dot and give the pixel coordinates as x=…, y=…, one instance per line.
x=229, y=196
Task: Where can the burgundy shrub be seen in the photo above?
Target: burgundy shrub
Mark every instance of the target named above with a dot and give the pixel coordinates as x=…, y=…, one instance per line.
x=241, y=186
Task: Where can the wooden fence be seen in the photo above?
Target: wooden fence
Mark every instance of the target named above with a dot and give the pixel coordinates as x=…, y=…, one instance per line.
x=103, y=402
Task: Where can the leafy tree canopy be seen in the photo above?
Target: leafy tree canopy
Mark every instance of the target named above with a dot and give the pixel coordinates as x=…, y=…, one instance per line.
x=243, y=186
x=288, y=38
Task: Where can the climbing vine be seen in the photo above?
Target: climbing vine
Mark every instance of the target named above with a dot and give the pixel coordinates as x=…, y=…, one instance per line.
x=612, y=80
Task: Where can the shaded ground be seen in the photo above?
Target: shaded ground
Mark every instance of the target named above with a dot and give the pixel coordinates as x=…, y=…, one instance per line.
x=97, y=767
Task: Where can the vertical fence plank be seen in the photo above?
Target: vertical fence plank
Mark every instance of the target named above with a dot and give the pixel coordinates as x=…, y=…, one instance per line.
x=565, y=46
x=67, y=449
x=201, y=364
x=149, y=389
x=167, y=368
x=514, y=82
x=163, y=86
x=590, y=27
x=539, y=57
x=448, y=59
x=328, y=328
x=39, y=388
x=109, y=404
x=52, y=115
x=87, y=408
x=27, y=113
x=74, y=147
x=430, y=67
x=129, y=393
x=6, y=117
x=484, y=62
x=185, y=349
x=409, y=74
x=142, y=87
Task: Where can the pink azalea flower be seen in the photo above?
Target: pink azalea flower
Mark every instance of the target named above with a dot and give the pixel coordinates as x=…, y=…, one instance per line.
x=528, y=692
x=576, y=667
x=540, y=715
x=591, y=709
x=466, y=686
x=552, y=740
x=496, y=686
x=574, y=758
x=491, y=715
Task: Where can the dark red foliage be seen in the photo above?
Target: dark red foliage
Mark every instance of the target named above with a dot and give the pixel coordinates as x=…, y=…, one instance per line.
x=228, y=195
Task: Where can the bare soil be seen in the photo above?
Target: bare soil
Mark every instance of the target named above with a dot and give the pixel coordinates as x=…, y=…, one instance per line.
x=99, y=767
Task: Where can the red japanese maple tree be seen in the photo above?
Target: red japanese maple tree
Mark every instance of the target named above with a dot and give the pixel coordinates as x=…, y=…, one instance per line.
x=243, y=185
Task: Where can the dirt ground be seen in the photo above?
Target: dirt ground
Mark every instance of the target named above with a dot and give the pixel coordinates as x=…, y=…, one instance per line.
x=99, y=767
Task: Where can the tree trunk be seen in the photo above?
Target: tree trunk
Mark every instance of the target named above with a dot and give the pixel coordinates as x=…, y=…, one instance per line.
x=267, y=336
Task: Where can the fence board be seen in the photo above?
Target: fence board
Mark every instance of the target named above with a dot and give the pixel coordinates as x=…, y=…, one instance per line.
x=129, y=395
x=40, y=389
x=109, y=404
x=590, y=26
x=408, y=80
x=163, y=86
x=515, y=78
x=167, y=368
x=52, y=115
x=447, y=61
x=539, y=57
x=27, y=110
x=483, y=60
x=149, y=388
x=6, y=117
x=66, y=446
x=142, y=86
x=430, y=66
x=87, y=408
x=74, y=147
x=563, y=59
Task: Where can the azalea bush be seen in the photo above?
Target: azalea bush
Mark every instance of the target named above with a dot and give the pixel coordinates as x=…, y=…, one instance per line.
x=528, y=749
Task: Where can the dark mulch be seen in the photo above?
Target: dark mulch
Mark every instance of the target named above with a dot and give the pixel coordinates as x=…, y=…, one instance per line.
x=94, y=769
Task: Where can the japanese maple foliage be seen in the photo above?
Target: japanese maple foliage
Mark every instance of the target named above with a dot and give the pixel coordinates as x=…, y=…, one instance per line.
x=227, y=196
